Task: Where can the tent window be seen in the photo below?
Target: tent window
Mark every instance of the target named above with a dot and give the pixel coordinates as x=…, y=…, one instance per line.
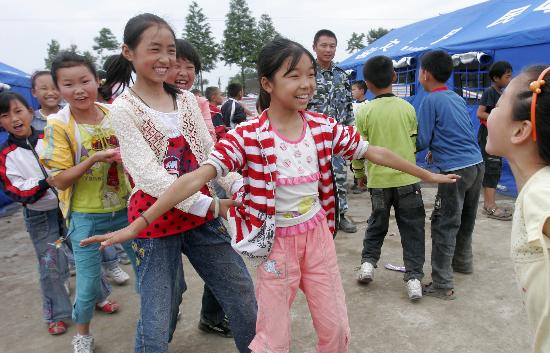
x=470, y=80
x=404, y=86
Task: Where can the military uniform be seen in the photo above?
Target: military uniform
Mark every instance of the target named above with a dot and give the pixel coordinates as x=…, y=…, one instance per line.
x=333, y=98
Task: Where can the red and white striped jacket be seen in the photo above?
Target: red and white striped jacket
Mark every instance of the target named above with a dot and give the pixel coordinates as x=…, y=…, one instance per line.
x=249, y=148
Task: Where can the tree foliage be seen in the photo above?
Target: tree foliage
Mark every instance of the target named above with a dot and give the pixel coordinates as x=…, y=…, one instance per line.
x=198, y=32
x=266, y=30
x=52, y=51
x=356, y=42
x=105, y=43
x=376, y=33
x=240, y=44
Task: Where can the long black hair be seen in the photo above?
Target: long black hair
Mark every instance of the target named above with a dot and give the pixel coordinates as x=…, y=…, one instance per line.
x=521, y=108
x=272, y=57
x=119, y=70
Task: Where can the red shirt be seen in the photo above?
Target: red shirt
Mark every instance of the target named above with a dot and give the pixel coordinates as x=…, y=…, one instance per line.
x=217, y=121
x=178, y=160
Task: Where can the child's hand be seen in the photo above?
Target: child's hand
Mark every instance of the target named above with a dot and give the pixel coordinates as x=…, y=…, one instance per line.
x=109, y=239
x=108, y=156
x=443, y=178
x=225, y=204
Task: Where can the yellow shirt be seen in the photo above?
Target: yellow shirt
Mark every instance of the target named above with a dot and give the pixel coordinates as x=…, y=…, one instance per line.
x=103, y=188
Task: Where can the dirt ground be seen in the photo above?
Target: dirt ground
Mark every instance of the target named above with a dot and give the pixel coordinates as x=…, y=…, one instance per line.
x=487, y=316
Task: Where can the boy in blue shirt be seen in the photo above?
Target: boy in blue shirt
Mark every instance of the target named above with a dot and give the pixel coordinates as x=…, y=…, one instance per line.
x=445, y=128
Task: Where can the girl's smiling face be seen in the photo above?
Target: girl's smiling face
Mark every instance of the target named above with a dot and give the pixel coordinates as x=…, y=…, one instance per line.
x=45, y=92
x=17, y=121
x=292, y=88
x=78, y=86
x=182, y=74
x=154, y=55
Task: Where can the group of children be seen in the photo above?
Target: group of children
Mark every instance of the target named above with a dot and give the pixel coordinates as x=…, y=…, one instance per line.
x=145, y=170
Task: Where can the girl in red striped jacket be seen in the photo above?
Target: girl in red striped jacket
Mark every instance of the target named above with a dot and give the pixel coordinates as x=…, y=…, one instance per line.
x=286, y=212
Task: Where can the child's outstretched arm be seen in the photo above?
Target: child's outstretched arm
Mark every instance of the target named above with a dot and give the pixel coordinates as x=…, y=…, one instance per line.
x=386, y=158
x=182, y=188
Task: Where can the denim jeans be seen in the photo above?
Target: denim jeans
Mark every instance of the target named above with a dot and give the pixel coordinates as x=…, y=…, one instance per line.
x=160, y=283
x=410, y=217
x=91, y=286
x=44, y=228
x=453, y=222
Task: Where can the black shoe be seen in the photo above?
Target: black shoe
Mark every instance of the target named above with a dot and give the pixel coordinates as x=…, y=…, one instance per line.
x=221, y=329
x=346, y=225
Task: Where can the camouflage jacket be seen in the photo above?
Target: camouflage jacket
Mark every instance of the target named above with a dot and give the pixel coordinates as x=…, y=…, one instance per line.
x=333, y=95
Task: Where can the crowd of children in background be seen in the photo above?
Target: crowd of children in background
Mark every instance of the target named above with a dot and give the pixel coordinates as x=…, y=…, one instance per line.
x=154, y=171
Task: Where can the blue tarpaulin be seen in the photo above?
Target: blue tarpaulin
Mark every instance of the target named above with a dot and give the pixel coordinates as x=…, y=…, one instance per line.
x=19, y=82
x=512, y=30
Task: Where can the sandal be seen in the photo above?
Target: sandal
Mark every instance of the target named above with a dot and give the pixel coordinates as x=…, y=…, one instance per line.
x=502, y=214
x=108, y=308
x=57, y=328
x=439, y=293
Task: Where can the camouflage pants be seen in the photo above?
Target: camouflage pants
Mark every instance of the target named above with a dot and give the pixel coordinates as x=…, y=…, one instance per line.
x=340, y=176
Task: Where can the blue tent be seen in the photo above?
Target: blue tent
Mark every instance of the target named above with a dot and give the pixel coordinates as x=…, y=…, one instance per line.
x=19, y=82
x=517, y=31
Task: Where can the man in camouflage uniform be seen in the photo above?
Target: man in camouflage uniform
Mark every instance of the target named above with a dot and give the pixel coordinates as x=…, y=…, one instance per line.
x=333, y=98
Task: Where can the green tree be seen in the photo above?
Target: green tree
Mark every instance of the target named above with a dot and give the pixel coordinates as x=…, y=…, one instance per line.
x=52, y=51
x=105, y=42
x=266, y=30
x=240, y=37
x=376, y=33
x=198, y=32
x=356, y=42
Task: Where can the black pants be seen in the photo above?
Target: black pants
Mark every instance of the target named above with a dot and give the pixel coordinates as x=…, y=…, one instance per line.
x=453, y=222
x=493, y=164
x=410, y=216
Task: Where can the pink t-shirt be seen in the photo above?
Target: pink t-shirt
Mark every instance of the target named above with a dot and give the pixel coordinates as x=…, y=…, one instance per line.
x=205, y=111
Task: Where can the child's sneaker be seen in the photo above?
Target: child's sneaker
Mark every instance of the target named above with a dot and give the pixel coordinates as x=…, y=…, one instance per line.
x=365, y=274
x=117, y=275
x=123, y=259
x=83, y=344
x=107, y=307
x=57, y=328
x=414, y=289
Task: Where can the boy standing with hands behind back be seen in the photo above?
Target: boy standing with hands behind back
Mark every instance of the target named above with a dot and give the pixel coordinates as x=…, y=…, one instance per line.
x=445, y=128
x=390, y=121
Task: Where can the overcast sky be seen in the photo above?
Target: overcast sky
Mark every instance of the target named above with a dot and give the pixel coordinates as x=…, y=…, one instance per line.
x=27, y=27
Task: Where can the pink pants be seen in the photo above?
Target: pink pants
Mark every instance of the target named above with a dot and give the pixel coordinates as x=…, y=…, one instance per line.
x=307, y=261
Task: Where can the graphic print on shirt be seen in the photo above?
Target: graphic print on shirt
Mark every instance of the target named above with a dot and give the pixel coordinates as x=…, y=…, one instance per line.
x=97, y=139
x=179, y=158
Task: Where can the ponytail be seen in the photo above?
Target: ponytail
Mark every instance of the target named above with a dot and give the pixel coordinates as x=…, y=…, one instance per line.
x=119, y=73
x=264, y=100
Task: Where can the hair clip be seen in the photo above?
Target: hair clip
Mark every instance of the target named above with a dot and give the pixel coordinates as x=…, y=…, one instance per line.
x=536, y=85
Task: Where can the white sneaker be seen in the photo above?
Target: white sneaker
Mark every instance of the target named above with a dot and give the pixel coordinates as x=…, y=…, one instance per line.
x=117, y=275
x=366, y=273
x=414, y=289
x=83, y=344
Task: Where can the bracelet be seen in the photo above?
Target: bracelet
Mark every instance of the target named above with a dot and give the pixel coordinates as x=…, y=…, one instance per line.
x=145, y=219
x=216, y=207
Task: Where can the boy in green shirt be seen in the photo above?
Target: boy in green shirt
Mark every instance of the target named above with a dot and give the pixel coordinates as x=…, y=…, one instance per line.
x=390, y=121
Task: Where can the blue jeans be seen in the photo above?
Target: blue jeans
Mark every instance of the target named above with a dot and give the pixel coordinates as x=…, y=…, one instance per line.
x=160, y=283
x=410, y=216
x=44, y=228
x=91, y=286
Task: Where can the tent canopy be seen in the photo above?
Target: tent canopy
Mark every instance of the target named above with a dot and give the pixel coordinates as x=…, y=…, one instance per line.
x=19, y=82
x=490, y=25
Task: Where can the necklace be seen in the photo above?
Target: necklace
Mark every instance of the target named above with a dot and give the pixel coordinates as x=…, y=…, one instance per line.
x=148, y=106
